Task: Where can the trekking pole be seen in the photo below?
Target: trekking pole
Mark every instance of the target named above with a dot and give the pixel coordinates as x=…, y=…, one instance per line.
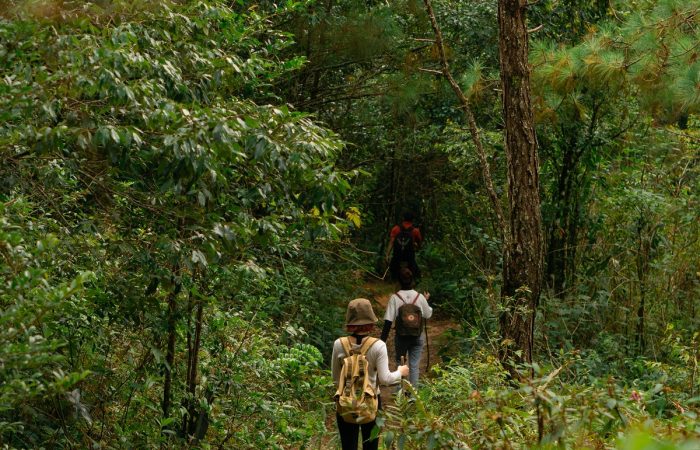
x=403, y=363
x=385, y=272
x=427, y=346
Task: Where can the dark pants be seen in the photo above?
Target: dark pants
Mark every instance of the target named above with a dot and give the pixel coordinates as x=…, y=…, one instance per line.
x=350, y=431
x=395, y=265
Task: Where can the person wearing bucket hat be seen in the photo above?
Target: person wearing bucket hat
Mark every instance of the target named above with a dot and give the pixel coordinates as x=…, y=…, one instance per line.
x=360, y=312
x=360, y=321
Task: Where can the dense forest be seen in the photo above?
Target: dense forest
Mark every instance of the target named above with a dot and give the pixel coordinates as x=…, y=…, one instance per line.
x=191, y=192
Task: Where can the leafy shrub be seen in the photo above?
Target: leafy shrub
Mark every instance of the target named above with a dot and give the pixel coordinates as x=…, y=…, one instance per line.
x=470, y=403
x=36, y=381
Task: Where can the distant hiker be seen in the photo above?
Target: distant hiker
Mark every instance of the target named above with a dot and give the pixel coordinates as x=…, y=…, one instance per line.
x=360, y=363
x=408, y=309
x=404, y=240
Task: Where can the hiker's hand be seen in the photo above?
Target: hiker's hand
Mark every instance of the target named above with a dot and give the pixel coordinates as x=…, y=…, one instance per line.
x=404, y=371
x=426, y=295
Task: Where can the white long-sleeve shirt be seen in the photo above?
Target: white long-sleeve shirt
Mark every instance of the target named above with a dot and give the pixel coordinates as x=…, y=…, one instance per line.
x=378, y=364
x=392, y=308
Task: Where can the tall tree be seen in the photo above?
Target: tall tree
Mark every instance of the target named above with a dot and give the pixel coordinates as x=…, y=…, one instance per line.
x=522, y=262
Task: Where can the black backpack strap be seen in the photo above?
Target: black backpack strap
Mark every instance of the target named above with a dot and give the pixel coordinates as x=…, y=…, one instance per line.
x=415, y=299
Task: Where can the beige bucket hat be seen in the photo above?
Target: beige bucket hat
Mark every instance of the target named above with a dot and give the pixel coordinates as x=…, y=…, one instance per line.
x=360, y=312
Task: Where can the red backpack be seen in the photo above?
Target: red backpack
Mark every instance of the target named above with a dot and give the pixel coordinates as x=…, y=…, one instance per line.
x=404, y=244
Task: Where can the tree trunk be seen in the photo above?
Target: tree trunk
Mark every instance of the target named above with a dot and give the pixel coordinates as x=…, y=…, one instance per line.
x=558, y=248
x=644, y=238
x=191, y=419
x=170, y=351
x=522, y=262
x=500, y=225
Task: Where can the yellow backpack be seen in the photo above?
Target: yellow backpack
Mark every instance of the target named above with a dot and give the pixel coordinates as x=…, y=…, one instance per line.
x=356, y=399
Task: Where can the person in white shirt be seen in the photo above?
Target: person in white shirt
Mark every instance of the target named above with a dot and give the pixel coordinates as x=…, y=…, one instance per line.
x=360, y=321
x=413, y=345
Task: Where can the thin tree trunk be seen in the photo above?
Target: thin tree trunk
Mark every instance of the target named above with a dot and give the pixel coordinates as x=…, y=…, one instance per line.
x=522, y=261
x=190, y=420
x=321, y=44
x=187, y=403
x=170, y=352
x=566, y=204
x=563, y=223
x=643, y=255
x=640, y=319
x=194, y=370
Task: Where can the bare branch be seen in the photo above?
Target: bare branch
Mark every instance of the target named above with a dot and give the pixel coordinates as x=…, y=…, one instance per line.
x=434, y=72
x=501, y=226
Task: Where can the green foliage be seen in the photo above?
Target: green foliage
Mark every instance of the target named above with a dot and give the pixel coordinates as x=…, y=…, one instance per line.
x=34, y=357
x=470, y=404
x=273, y=393
x=145, y=146
x=650, y=54
x=170, y=221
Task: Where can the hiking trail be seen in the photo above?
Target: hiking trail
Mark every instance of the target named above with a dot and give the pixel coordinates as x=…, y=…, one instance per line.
x=378, y=292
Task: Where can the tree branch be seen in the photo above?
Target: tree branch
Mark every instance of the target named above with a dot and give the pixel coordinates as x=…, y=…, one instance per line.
x=486, y=170
x=434, y=72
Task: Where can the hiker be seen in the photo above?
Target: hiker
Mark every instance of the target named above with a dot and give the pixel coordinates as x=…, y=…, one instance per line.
x=404, y=240
x=360, y=321
x=409, y=310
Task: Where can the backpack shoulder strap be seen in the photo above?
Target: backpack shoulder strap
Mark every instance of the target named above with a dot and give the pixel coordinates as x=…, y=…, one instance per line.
x=345, y=342
x=400, y=298
x=415, y=299
x=366, y=344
